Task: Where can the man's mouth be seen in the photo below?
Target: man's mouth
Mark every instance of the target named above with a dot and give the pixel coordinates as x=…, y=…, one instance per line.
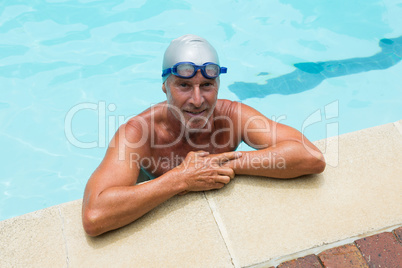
x=195, y=113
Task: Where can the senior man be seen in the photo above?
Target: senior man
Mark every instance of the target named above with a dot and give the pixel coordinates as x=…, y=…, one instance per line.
x=187, y=144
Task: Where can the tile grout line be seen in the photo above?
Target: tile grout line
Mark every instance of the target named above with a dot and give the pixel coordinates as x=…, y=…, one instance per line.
x=64, y=236
x=222, y=230
x=361, y=253
x=396, y=237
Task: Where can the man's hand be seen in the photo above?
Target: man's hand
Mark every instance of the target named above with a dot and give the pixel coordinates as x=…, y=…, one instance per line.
x=201, y=171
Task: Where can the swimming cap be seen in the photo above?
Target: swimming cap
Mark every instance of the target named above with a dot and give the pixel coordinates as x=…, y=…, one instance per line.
x=190, y=48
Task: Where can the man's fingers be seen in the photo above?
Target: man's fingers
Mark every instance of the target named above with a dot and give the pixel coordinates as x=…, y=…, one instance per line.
x=226, y=172
x=219, y=185
x=201, y=153
x=225, y=157
x=229, y=155
x=222, y=179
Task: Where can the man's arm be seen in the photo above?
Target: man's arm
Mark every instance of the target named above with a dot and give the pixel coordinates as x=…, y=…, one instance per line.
x=282, y=151
x=112, y=200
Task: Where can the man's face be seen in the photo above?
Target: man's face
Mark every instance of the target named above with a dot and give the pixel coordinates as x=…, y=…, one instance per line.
x=192, y=100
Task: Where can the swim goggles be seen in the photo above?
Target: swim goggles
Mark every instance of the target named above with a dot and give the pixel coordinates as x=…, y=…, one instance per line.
x=188, y=69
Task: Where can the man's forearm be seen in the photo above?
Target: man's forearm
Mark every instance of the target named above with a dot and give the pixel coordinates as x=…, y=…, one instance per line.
x=287, y=159
x=118, y=206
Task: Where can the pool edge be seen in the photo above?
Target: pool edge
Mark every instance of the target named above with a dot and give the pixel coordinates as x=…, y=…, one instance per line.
x=44, y=237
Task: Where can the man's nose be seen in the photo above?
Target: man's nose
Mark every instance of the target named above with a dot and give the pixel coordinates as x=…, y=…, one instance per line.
x=196, y=98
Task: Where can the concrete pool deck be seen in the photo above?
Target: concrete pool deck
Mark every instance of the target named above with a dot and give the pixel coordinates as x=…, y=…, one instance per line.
x=252, y=222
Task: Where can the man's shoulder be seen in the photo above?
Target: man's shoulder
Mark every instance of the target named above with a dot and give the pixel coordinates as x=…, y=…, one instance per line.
x=224, y=106
x=235, y=110
x=229, y=108
x=137, y=130
x=225, y=102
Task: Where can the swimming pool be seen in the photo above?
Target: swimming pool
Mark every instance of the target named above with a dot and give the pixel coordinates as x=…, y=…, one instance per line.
x=70, y=71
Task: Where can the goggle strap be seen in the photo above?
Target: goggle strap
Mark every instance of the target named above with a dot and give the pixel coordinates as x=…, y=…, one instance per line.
x=166, y=71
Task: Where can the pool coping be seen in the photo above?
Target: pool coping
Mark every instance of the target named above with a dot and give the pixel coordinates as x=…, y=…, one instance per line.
x=232, y=227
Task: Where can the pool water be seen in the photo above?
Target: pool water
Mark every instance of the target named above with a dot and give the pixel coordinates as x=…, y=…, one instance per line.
x=72, y=71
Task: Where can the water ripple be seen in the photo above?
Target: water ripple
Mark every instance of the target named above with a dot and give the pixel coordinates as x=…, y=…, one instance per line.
x=92, y=14
x=69, y=37
x=109, y=66
x=34, y=148
x=12, y=50
x=150, y=36
x=24, y=70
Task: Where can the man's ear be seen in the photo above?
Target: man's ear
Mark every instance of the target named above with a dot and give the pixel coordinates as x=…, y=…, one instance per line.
x=164, y=87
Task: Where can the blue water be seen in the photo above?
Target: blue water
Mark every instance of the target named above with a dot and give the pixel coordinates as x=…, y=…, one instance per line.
x=308, y=75
x=72, y=71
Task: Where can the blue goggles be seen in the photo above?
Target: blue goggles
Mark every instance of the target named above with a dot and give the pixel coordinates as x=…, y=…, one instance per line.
x=188, y=69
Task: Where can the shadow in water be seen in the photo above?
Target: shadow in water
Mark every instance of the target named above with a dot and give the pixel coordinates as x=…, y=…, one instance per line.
x=310, y=74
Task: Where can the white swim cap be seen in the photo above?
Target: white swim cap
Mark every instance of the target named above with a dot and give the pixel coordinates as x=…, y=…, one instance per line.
x=189, y=48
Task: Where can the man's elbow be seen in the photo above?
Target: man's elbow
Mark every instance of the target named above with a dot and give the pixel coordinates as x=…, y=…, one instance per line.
x=91, y=223
x=318, y=164
x=320, y=167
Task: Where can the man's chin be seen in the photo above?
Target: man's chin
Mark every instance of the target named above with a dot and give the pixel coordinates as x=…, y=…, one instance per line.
x=196, y=124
